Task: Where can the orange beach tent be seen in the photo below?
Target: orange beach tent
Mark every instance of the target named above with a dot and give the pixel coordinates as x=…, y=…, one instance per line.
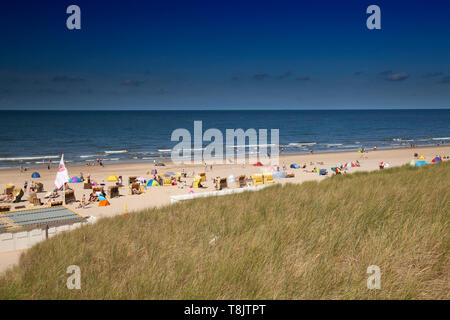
x=103, y=203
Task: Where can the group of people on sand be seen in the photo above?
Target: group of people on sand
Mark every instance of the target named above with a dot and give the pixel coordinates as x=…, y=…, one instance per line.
x=98, y=162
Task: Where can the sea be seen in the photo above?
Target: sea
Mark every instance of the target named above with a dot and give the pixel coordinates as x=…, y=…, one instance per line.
x=33, y=138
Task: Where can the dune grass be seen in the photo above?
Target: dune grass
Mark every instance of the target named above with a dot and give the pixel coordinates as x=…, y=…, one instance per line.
x=308, y=241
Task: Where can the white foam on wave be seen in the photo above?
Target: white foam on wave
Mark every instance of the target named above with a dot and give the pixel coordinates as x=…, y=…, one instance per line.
x=253, y=145
x=443, y=138
x=115, y=151
x=302, y=144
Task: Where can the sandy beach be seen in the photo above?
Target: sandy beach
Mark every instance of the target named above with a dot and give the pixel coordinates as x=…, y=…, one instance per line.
x=160, y=196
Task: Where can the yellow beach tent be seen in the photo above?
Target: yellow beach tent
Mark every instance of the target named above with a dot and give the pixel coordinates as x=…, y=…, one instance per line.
x=112, y=178
x=422, y=157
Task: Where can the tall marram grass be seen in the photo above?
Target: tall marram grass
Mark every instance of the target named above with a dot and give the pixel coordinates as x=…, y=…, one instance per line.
x=309, y=241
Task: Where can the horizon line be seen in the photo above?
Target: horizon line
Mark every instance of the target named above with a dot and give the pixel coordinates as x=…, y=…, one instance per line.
x=228, y=109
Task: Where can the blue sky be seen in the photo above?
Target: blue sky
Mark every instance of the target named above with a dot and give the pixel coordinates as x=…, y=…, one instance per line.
x=224, y=55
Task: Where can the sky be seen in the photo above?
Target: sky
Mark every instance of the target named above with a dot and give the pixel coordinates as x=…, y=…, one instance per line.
x=224, y=55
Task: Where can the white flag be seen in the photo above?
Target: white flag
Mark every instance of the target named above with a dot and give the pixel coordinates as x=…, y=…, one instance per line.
x=62, y=176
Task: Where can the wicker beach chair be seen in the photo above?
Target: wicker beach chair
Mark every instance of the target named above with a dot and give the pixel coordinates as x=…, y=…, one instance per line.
x=257, y=179
x=242, y=181
x=203, y=177
x=34, y=200
x=39, y=187
x=268, y=178
x=69, y=196
x=113, y=191
x=167, y=182
x=9, y=189
x=5, y=208
x=135, y=186
x=222, y=183
x=97, y=189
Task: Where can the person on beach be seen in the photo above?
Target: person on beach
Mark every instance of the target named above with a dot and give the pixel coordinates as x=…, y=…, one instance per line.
x=67, y=187
x=92, y=197
x=25, y=186
x=83, y=202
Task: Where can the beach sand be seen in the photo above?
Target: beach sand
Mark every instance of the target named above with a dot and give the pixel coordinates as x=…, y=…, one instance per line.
x=160, y=196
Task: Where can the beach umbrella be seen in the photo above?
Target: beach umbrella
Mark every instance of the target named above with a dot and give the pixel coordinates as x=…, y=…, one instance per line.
x=75, y=180
x=294, y=166
x=412, y=163
x=231, y=178
x=258, y=164
x=437, y=159
x=422, y=157
x=152, y=183
x=350, y=164
x=112, y=178
x=420, y=163
x=35, y=175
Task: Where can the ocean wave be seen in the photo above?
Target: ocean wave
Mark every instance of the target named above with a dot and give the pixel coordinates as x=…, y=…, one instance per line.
x=253, y=145
x=164, y=150
x=443, y=138
x=302, y=144
x=329, y=145
x=88, y=156
x=115, y=151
